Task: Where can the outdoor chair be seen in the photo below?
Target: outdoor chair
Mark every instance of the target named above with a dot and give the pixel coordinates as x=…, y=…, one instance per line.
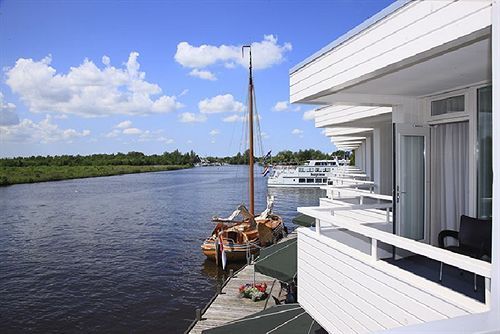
x=474, y=240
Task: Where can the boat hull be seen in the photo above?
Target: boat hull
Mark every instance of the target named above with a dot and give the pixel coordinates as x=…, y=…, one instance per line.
x=235, y=253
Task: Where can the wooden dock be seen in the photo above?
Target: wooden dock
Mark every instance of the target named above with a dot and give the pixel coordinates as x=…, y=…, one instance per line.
x=229, y=306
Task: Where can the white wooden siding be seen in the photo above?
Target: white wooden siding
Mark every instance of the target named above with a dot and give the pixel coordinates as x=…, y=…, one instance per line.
x=347, y=292
x=334, y=115
x=413, y=29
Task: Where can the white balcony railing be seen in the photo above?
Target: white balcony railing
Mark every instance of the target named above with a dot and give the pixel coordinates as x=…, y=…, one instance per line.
x=345, y=286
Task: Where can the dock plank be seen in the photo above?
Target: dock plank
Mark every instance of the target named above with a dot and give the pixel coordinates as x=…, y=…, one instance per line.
x=229, y=306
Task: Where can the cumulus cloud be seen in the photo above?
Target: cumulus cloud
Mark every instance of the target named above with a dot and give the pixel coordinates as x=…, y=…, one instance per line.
x=125, y=128
x=189, y=117
x=265, y=54
x=8, y=114
x=280, y=106
x=203, y=74
x=285, y=106
x=219, y=104
x=298, y=132
x=87, y=90
x=27, y=131
x=214, y=132
x=124, y=125
x=114, y=133
x=132, y=131
x=308, y=115
x=234, y=118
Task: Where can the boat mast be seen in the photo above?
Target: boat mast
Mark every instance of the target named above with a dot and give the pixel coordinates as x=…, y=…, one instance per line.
x=250, y=133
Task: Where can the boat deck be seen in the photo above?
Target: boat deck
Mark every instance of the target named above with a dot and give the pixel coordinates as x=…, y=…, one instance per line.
x=229, y=306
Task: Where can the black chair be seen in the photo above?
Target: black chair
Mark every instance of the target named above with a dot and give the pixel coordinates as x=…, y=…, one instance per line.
x=474, y=240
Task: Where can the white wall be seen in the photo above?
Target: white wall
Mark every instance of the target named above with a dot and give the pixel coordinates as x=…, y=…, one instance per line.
x=382, y=158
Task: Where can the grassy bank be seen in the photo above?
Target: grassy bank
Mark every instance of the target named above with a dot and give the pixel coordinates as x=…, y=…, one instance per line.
x=15, y=175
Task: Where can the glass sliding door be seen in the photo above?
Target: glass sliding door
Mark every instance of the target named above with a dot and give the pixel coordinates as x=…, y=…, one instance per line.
x=412, y=187
x=484, y=152
x=411, y=181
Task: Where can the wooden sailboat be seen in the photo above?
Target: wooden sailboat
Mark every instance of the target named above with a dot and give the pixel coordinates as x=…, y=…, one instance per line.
x=242, y=234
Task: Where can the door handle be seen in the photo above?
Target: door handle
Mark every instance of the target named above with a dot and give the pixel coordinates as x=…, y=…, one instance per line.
x=398, y=194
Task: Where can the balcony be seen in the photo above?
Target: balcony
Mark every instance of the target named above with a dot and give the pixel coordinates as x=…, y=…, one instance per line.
x=350, y=283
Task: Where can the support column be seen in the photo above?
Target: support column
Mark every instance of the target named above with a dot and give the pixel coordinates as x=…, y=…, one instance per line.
x=495, y=257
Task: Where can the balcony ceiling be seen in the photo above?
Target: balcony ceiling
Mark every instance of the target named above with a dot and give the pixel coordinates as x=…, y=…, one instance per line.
x=461, y=67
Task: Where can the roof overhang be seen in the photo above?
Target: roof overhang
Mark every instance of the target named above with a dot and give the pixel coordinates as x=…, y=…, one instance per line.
x=420, y=48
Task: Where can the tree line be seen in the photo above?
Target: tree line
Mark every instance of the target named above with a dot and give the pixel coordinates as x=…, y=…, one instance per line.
x=118, y=159
x=168, y=158
x=283, y=157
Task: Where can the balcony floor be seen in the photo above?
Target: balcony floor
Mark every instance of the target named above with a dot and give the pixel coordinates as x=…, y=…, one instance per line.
x=453, y=278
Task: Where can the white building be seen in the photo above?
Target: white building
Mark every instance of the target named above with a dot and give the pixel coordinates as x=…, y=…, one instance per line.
x=410, y=92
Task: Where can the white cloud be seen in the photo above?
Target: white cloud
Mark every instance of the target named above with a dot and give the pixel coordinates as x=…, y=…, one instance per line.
x=106, y=60
x=280, y=106
x=165, y=140
x=43, y=132
x=298, y=132
x=214, y=132
x=203, y=74
x=184, y=92
x=234, y=118
x=265, y=54
x=285, y=106
x=308, y=115
x=264, y=135
x=8, y=114
x=220, y=103
x=87, y=90
x=113, y=134
x=189, y=117
x=124, y=125
x=132, y=131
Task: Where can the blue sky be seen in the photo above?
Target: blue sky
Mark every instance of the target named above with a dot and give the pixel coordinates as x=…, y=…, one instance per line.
x=82, y=77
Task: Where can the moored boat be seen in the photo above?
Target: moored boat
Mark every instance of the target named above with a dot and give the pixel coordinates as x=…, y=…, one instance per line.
x=242, y=234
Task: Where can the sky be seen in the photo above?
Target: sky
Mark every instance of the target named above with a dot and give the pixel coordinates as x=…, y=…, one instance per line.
x=84, y=77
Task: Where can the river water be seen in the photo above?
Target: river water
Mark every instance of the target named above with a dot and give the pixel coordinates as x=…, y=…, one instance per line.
x=118, y=254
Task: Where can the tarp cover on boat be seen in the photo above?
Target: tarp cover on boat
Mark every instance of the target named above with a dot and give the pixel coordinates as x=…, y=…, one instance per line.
x=304, y=220
x=289, y=319
x=279, y=261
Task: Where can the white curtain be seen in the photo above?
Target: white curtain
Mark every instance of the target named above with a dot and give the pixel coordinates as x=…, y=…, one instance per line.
x=449, y=176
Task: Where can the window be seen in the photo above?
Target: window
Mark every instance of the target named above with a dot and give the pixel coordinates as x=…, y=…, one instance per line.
x=310, y=180
x=448, y=105
x=324, y=180
x=318, y=180
x=302, y=180
x=301, y=170
x=484, y=150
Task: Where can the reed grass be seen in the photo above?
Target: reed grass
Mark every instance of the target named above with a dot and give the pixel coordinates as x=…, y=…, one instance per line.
x=32, y=174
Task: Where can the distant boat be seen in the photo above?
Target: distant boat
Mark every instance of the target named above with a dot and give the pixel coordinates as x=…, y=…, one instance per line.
x=314, y=173
x=242, y=234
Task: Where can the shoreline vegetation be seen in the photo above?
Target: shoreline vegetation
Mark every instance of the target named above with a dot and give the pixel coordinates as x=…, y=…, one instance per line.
x=18, y=175
x=65, y=167
x=56, y=168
